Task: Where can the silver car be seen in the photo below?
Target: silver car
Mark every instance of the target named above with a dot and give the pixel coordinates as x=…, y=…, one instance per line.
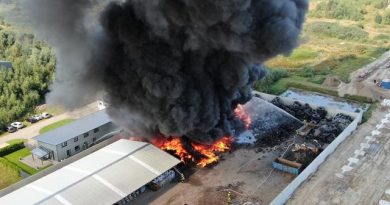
x=17, y=125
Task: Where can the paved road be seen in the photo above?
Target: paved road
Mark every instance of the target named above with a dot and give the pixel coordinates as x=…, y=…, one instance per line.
x=357, y=172
x=33, y=130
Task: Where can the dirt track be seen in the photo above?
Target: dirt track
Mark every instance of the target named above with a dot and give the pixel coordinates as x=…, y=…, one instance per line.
x=358, y=171
x=377, y=70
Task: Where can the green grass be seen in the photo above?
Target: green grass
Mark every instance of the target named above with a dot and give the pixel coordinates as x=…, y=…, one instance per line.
x=55, y=125
x=9, y=173
x=367, y=115
x=16, y=141
x=14, y=158
x=303, y=54
x=344, y=66
x=299, y=82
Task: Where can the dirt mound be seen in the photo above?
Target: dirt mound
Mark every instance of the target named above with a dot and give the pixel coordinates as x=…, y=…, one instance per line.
x=332, y=81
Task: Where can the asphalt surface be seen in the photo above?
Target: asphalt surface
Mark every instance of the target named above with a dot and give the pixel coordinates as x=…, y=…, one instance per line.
x=33, y=130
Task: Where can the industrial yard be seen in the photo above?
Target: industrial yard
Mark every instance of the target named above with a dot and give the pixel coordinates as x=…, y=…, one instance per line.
x=350, y=176
x=247, y=173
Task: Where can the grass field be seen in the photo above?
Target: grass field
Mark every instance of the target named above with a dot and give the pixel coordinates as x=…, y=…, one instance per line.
x=334, y=44
x=55, y=125
x=14, y=158
x=9, y=173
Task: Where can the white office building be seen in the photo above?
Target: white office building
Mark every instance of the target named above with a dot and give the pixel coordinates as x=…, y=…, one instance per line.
x=71, y=139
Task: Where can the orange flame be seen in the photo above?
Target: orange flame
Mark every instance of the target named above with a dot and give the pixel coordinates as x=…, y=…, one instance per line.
x=209, y=151
x=241, y=114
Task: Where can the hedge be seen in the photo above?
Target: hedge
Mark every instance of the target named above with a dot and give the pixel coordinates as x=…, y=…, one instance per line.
x=318, y=89
x=357, y=98
x=11, y=148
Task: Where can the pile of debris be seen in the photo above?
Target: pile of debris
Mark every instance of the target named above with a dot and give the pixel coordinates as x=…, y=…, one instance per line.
x=302, y=112
x=319, y=127
x=328, y=129
x=304, y=153
x=276, y=136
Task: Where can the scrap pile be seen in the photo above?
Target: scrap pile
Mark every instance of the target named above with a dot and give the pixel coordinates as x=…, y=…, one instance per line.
x=304, y=153
x=302, y=112
x=328, y=129
x=320, y=127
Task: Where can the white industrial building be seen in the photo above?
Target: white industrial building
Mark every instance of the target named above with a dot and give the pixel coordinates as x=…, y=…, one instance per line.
x=68, y=140
x=104, y=177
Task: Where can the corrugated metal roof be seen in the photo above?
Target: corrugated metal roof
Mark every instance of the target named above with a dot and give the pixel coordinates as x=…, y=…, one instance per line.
x=5, y=64
x=103, y=177
x=76, y=128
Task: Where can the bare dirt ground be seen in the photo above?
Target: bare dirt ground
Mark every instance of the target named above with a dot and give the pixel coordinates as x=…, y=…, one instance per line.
x=377, y=70
x=357, y=172
x=247, y=174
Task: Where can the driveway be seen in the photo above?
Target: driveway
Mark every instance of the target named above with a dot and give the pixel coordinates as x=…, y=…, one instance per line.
x=33, y=130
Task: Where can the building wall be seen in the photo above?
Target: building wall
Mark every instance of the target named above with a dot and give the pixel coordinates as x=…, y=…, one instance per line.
x=83, y=142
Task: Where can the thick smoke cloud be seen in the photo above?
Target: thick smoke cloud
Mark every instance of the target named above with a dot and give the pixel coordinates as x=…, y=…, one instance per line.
x=176, y=67
x=63, y=24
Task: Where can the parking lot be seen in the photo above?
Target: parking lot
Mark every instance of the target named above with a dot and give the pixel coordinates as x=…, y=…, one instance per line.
x=33, y=130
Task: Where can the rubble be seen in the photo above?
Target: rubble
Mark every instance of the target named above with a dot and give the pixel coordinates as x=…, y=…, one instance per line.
x=319, y=127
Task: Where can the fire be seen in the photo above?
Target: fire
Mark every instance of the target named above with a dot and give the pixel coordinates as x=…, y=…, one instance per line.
x=241, y=113
x=210, y=152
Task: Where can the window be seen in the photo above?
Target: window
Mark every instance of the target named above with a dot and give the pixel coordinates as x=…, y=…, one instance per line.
x=76, y=139
x=86, y=134
x=77, y=148
x=96, y=130
x=64, y=144
x=68, y=153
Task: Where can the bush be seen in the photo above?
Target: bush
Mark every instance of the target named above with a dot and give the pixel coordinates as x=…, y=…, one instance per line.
x=338, y=31
x=317, y=89
x=382, y=37
x=264, y=85
x=356, y=98
x=367, y=115
x=379, y=4
x=378, y=19
x=337, y=9
x=386, y=18
x=306, y=72
x=11, y=148
x=319, y=79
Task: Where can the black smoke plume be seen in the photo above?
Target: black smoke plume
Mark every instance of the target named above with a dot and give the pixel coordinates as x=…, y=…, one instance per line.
x=176, y=67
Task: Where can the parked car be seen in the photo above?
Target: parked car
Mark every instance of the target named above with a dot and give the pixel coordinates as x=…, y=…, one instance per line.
x=32, y=119
x=11, y=129
x=46, y=115
x=17, y=125
x=38, y=117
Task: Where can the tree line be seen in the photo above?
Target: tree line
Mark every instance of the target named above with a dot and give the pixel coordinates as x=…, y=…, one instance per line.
x=24, y=86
